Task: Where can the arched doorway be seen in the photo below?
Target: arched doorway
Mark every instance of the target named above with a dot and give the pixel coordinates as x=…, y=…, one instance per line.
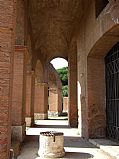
x=112, y=92
x=96, y=85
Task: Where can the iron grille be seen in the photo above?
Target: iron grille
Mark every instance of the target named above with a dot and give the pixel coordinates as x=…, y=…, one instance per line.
x=112, y=92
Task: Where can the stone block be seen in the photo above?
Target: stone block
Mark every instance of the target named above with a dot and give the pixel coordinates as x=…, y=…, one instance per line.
x=40, y=116
x=29, y=121
x=18, y=133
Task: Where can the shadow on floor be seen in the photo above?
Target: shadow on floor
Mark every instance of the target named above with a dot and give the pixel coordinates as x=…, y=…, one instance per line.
x=77, y=142
x=57, y=118
x=30, y=138
x=79, y=155
x=71, y=142
x=75, y=155
x=50, y=126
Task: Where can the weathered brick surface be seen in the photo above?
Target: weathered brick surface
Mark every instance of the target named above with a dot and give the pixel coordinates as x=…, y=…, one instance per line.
x=5, y=73
x=96, y=37
x=55, y=100
x=30, y=91
x=96, y=99
x=65, y=104
x=28, y=94
x=55, y=91
x=19, y=86
x=3, y=141
x=6, y=54
x=73, y=105
x=41, y=98
x=6, y=13
x=20, y=23
x=59, y=100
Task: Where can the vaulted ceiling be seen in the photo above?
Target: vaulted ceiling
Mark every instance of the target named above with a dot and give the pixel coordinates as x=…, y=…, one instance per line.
x=53, y=24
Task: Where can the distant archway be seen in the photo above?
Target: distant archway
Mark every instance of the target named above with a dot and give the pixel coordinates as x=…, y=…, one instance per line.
x=60, y=65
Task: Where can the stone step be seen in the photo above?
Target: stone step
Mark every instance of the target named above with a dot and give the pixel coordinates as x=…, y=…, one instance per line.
x=109, y=147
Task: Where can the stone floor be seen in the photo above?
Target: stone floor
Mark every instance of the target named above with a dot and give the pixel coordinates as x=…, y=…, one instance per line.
x=107, y=146
x=75, y=146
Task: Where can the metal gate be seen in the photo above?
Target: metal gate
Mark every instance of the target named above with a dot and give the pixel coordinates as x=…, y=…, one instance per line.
x=112, y=92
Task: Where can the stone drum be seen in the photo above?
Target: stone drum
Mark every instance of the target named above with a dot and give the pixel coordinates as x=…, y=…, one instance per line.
x=51, y=144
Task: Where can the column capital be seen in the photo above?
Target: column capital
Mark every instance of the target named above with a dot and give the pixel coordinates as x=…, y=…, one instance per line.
x=41, y=83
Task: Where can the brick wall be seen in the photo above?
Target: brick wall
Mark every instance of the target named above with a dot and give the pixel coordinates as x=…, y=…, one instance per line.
x=6, y=58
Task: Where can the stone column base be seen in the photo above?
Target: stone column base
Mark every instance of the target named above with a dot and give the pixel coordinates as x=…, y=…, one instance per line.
x=40, y=116
x=18, y=132
x=29, y=121
x=54, y=114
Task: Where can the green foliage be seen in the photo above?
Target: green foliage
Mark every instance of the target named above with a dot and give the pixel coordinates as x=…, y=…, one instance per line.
x=65, y=91
x=63, y=73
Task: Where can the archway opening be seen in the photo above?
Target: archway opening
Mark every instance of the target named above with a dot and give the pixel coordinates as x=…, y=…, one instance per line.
x=97, y=90
x=58, y=88
x=59, y=63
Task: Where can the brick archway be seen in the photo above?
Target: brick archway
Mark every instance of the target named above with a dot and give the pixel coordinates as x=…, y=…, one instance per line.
x=41, y=91
x=96, y=83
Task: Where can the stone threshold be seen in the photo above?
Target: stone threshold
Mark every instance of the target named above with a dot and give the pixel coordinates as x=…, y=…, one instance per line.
x=107, y=146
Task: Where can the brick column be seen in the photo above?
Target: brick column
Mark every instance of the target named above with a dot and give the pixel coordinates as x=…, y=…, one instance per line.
x=41, y=101
x=6, y=58
x=60, y=109
x=73, y=106
x=19, y=94
x=55, y=101
x=30, y=91
x=96, y=98
x=65, y=104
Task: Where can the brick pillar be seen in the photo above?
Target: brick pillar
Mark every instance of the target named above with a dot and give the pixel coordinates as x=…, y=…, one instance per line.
x=6, y=58
x=65, y=104
x=55, y=101
x=19, y=94
x=30, y=91
x=96, y=98
x=73, y=106
x=41, y=101
x=60, y=101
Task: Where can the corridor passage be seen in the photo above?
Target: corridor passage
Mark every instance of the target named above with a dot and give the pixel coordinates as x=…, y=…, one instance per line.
x=75, y=146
